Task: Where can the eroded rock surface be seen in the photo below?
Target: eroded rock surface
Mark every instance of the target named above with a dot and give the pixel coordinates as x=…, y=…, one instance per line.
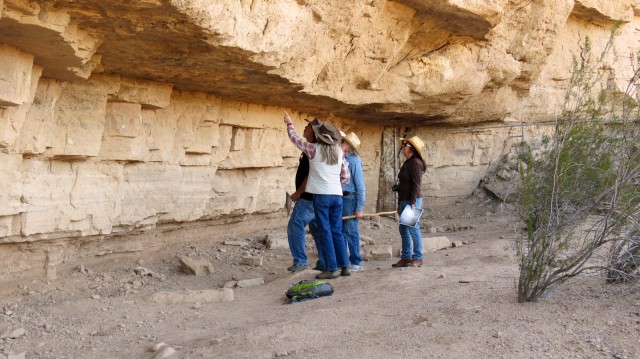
x=118, y=118
x=429, y=61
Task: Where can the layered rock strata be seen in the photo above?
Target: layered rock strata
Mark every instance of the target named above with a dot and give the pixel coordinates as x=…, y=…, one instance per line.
x=121, y=117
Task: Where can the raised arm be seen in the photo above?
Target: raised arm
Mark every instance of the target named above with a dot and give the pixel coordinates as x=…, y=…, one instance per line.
x=308, y=148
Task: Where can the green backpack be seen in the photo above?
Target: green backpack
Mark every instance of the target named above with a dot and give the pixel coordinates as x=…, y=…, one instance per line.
x=308, y=289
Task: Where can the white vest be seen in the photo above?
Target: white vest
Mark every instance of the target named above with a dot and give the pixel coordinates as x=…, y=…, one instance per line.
x=324, y=178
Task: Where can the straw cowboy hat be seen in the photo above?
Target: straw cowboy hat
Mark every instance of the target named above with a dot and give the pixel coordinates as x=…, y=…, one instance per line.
x=416, y=143
x=352, y=140
x=327, y=133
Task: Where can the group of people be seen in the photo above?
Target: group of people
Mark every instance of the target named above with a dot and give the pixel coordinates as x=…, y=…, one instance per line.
x=330, y=185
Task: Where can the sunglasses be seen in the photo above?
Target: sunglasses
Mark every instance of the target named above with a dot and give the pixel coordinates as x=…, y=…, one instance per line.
x=406, y=144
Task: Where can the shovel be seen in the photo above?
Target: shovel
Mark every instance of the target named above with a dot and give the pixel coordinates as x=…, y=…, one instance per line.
x=369, y=214
x=287, y=202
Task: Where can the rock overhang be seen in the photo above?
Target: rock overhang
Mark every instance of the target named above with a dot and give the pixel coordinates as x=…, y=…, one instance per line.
x=424, y=62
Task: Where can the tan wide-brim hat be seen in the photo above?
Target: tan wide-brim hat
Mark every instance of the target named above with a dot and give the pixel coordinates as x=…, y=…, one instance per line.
x=352, y=139
x=416, y=143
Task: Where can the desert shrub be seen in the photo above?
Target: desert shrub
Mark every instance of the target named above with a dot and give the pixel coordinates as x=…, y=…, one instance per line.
x=580, y=192
x=624, y=261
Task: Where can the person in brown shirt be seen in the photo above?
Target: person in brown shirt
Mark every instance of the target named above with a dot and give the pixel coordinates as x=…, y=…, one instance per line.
x=409, y=181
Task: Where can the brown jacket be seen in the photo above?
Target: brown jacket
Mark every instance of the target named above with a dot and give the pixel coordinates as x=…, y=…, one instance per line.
x=409, y=180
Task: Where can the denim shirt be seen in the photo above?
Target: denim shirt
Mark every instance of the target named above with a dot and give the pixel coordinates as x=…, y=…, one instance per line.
x=356, y=185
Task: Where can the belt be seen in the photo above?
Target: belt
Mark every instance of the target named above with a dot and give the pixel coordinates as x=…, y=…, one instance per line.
x=345, y=193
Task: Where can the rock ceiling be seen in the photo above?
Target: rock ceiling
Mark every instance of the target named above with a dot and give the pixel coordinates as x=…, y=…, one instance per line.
x=422, y=61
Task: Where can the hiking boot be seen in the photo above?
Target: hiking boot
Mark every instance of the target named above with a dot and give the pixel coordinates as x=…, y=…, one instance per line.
x=297, y=267
x=328, y=275
x=356, y=268
x=402, y=263
x=345, y=272
x=416, y=263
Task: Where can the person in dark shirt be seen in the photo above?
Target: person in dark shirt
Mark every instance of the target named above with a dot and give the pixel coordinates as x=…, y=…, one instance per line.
x=303, y=213
x=328, y=172
x=409, y=181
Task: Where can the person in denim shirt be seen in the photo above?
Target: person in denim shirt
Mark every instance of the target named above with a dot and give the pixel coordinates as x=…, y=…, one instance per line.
x=409, y=181
x=353, y=198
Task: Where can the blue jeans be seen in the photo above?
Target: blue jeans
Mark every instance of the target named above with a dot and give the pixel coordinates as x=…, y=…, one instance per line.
x=350, y=229
x=328, y=209
x=301, y=216
x=411, y=236
x=313, y=229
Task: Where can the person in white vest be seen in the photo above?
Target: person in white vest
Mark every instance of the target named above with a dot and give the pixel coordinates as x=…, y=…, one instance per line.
x=328, y=172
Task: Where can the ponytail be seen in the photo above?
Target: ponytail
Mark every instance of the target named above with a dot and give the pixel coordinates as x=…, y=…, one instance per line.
x=329, y=153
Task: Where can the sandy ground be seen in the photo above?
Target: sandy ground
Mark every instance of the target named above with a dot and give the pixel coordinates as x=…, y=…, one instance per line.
x=461, y=304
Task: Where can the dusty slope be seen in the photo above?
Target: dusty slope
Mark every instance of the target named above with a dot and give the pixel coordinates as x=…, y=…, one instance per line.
x=460, y=305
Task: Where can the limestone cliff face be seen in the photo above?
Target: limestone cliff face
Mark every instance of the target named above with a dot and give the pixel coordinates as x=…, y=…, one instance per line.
x=122, y=116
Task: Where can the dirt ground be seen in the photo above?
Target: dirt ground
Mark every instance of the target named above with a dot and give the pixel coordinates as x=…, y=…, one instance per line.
x=461, y=304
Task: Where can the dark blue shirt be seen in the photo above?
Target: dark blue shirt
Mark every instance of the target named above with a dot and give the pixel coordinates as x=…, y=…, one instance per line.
x=356, y=185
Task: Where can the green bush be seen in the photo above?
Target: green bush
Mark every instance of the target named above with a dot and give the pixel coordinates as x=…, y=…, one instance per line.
x=586, y=173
